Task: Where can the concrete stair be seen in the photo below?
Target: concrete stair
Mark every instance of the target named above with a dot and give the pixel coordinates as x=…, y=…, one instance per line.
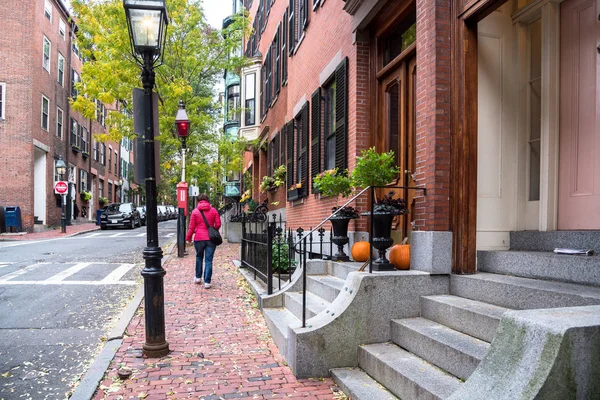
x=548, y=241
x=430, y=356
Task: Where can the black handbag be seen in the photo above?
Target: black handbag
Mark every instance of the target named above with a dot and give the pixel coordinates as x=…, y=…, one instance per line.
x=213, y=234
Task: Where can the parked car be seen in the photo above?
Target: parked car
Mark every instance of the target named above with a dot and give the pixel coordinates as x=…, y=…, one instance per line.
x=142, y=211
x=163, y=213
x=120, y=214
x=174, y=212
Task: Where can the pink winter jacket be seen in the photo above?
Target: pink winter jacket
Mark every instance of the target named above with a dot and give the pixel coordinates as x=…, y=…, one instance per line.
x=197, y=225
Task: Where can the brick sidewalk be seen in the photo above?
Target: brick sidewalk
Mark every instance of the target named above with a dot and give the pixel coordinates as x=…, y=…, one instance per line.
x=220, y=344
x=51, y=233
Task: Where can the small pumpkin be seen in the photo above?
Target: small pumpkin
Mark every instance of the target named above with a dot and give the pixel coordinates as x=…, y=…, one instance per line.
x=360, y=251
x=400, y=256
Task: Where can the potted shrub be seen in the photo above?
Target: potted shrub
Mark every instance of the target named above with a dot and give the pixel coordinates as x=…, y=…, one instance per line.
x=267, y=184
x=379, y=169
x=279, y=175
x=102, y=201
x=332, y=183
x=85, y=196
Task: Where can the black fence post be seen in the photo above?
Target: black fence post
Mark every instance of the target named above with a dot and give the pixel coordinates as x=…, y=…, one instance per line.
x=270, y=229
x=244, y=256
x=371, y=223
x=304, y=286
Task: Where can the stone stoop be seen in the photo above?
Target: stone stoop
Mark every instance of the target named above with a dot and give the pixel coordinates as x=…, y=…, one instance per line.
x=431, y=356
x=324, y=282
x=426, y=359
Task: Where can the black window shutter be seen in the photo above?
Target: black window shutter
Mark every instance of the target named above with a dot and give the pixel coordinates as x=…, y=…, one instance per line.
x=282, y=145
x=292, y=28
x=305, y=16
x=305, y=130
x=270, y=158
x=341, y=115
x=284, y=47
x=315, y=155
x=290, y=153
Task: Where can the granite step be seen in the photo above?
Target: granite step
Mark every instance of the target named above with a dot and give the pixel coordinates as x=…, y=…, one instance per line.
x=341, y=270
x=358, y=385
x=314, y=304
x=279, y=320
x=325, y=286
x=584, y=270
x=522, y=293
x=548, y=241
x=472, y=317
x=404, y=374
x=453, y=351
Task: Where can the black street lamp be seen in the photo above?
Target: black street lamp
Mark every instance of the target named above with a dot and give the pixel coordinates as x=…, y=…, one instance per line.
x=182, y=123
x=61, y=170
x=147, y=21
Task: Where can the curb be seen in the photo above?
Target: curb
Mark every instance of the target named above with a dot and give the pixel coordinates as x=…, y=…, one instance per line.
x=92, y=378
x=9, y=239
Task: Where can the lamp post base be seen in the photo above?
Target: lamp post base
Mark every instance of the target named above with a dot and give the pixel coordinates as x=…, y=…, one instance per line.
x=155, y=350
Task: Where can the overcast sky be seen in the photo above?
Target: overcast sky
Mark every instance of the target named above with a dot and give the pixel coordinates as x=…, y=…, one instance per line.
x=216, y=11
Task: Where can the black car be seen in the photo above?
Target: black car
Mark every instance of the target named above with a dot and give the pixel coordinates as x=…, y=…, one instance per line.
x=120, y=214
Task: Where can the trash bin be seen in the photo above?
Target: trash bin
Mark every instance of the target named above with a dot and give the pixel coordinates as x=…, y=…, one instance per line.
x=2, y=220
x=12, y=216
x=98, y=215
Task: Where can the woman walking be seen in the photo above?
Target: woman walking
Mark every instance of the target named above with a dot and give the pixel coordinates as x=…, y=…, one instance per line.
x=202, y=216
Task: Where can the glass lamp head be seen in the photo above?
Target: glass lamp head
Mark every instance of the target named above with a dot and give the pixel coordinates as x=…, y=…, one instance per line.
x=181, y=121
x=61, y=167
x=147, y=21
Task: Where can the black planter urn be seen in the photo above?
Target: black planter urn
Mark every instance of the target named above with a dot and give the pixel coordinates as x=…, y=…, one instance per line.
x=382, y=230
x=340, y=237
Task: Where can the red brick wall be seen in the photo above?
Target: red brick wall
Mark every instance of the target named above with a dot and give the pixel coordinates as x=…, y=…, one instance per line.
x=433, y=114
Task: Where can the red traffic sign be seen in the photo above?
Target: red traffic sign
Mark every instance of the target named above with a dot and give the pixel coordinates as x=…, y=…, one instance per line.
x=61, y=187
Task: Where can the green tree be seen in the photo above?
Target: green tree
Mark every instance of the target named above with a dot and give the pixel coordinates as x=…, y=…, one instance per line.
x=195, y=55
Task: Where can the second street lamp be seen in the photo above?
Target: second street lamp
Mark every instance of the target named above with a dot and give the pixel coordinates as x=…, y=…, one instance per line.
x=182, y=123
x=147, y=22
x=61, y=170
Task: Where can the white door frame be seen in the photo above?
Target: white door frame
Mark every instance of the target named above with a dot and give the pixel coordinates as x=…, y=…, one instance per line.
x=539, y=215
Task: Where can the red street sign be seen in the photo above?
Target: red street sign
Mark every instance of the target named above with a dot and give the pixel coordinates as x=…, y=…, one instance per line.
x=61, y=187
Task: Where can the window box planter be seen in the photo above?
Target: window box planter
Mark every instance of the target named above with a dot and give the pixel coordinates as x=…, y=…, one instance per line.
x=295, y=194
x=84, y=154
x=75, y=148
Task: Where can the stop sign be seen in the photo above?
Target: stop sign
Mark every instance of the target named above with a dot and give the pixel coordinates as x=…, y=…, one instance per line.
x=61, y=187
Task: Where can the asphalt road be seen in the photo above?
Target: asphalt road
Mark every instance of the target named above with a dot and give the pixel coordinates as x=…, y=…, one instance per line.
x=58, y=300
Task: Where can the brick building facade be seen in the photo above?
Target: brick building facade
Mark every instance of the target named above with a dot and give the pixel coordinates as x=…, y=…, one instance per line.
x=40, y=63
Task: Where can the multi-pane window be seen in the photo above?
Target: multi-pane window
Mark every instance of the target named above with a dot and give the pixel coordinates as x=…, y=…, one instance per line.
x=110, y=191
x=233, y=103
x=298, y=21
x=84, y=140
x=103, y=154
x=75, y=49
x=116, y=162
x=100, y=112
x=74, y=79
x=47, y=48
x=250, y=93
x=101, y=188
x=95, y=149
x=109, y=159
x=45, y=113
x=61, y=70
x=62, y=29
x=276, y=51
x=291, y=27
x=2, y=100
x=59, y=122
x=73, y=132
x=83, y=180
x=48, y=10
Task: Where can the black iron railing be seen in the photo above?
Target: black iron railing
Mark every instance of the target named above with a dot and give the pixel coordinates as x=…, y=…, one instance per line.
x=269, y=248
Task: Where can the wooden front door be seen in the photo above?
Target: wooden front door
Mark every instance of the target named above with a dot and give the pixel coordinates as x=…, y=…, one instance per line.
x=579, y=177
x=396, y=111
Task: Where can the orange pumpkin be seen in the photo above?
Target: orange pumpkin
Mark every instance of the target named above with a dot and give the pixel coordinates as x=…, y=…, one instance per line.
x=360, y=251
x=400, y=256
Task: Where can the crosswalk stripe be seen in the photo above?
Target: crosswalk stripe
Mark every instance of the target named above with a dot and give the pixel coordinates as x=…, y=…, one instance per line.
x=89, y=283
x=5, y=264
x=170, y=234
x=117, y=274
x=141, y=234
x=20, y=272
x=94, y=234
x=67, y=272
x=117, y=234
